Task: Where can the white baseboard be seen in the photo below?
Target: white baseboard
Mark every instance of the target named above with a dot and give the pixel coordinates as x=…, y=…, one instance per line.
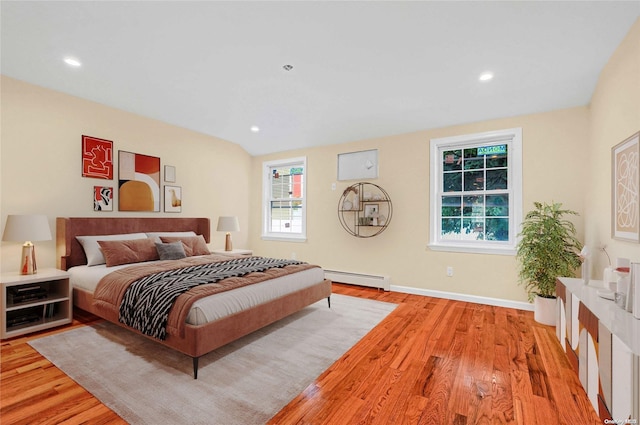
x=498, y=302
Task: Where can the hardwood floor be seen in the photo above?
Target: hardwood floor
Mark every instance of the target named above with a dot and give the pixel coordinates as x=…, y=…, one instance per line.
x=431, y=361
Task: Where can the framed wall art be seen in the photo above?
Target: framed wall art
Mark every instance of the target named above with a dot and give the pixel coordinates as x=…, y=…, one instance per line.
x=169, y=173
x=625, y=190
x=97, y=158
x=102, y=198
x=172, y=199
x=138, y=182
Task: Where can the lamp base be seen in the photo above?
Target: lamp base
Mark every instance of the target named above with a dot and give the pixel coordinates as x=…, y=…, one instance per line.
x=28, y=264
x=228, y=246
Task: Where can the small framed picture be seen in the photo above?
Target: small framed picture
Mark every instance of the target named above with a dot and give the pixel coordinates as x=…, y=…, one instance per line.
x=169, y=173
x=172, y=198
x=102, y=198
x=371, y=210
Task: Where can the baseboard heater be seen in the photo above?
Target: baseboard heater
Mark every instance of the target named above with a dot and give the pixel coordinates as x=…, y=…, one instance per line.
x=373, y=281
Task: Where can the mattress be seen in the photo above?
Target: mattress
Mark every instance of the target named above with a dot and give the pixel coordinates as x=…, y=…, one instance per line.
x=220, y=305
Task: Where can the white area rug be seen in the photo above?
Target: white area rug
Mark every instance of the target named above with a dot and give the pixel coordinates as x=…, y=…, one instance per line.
x=244, y=383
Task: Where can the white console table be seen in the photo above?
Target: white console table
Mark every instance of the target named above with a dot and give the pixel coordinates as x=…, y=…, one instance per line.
x=602, y=342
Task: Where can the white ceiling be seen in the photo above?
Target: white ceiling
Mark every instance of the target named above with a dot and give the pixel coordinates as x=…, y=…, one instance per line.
x=360, y=69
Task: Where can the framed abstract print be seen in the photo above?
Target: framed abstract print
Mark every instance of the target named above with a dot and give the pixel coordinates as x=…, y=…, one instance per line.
x=625, y=190
x=97, y=158
x=138, y=182
x=102, y=198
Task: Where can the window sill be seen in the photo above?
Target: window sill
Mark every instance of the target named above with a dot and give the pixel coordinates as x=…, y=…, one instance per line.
x=472, y=249
x=284, y=238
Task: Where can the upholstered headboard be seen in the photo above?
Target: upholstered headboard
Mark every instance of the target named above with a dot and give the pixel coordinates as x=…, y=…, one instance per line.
x=70, y=252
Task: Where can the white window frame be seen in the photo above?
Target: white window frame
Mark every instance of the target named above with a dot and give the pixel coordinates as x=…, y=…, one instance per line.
x=511, y=137
x=267, y=234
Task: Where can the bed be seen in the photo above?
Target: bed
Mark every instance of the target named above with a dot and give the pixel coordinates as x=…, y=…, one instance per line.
x=207, y=326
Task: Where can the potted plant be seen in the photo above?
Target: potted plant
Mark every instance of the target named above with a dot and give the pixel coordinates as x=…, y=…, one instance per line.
x=548, y=248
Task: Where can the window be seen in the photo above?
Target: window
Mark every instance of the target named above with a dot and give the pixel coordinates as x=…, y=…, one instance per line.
x=284, y=204
x=476, y=192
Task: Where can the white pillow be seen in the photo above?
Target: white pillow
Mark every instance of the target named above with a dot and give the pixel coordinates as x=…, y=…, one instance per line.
x=92, y=249
x=156, y=235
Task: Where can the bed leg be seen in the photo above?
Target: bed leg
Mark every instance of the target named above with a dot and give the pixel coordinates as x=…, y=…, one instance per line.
x=195, y=367
x=329, y=301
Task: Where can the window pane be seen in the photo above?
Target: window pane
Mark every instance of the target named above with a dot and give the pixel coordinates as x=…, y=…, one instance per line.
x=495, y=161
x=497, y=179
x=473, y=228
x=452, y=182
x=473, y=180
x=473, y=206
x=471, y=159
x=451, y=228
x=451, y=206
x=497, y=205
x=451, y=160
x=497, y=229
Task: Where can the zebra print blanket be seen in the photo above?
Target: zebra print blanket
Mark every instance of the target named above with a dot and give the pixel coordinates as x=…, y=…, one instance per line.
x=147, y=301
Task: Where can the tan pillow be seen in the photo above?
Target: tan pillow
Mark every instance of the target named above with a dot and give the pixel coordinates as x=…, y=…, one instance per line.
x=129, y=251
x=193, y=245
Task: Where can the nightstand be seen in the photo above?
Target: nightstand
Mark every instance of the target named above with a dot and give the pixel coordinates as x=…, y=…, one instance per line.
x=233, y=252
x=34, y=302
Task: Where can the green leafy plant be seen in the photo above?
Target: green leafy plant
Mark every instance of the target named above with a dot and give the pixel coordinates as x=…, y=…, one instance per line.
x=548, y=248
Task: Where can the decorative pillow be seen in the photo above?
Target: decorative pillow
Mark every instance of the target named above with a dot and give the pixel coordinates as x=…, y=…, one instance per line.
x=129, y=251
x=157, y=235
x=171, y=251
x=194, y=245
x=92, y=249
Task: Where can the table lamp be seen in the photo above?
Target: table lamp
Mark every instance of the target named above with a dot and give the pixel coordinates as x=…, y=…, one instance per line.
x=27, y=228
x=228, y=224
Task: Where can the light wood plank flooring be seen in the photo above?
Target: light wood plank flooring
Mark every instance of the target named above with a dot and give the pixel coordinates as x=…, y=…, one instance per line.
x=431, y=361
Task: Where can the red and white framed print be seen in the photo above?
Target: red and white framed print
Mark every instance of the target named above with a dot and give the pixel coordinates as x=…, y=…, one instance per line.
x=97, y=158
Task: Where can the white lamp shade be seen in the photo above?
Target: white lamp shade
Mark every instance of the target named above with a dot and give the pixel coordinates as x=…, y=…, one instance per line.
x=228, y=224
x=27, y=227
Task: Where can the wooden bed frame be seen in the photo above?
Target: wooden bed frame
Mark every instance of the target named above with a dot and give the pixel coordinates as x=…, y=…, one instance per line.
x=198, y=340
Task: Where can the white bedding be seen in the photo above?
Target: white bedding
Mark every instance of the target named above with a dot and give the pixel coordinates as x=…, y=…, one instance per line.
x=220, y=305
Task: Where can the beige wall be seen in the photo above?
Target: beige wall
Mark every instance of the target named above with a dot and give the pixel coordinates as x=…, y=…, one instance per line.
x=614, y=116
x=553, y=147
x=40, y=168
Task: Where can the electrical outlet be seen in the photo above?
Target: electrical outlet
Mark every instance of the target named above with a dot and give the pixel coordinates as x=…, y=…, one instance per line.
x=449, y=271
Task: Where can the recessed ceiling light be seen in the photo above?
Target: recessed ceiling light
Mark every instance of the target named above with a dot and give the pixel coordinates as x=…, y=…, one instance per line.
x=486, y=76
x=72, y=61
x=255, y=128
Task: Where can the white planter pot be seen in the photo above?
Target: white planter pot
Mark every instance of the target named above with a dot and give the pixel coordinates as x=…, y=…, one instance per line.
x=544, y=310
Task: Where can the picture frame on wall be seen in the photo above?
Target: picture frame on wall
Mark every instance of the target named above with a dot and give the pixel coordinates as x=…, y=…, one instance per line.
x=172, y=199
x=97, y=158
x=102, y=198
x=169, y=174
x=625, y=190
x=138, y=182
